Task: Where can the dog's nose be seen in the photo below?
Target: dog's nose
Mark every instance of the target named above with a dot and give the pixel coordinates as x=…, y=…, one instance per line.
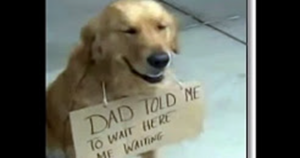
x=159, y=60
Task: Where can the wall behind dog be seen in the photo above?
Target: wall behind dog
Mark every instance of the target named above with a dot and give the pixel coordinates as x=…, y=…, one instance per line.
x=211, y=10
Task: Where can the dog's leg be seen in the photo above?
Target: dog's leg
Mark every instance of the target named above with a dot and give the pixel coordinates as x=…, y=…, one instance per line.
x=70, y=152
x=55, y=153
x=150, y=154
x=54, y=148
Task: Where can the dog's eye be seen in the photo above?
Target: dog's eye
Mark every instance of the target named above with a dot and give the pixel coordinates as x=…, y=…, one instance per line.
x=161, y=27
x=131, y=31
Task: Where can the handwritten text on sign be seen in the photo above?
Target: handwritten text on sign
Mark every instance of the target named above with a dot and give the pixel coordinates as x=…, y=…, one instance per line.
x=135, y=125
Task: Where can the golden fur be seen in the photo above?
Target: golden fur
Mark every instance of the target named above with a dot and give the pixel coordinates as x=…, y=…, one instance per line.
x=98, y=59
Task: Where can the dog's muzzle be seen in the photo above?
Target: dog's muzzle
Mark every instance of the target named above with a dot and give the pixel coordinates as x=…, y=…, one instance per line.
x=151, y=78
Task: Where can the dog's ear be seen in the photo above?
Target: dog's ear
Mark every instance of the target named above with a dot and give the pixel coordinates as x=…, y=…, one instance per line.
x=174, y=44
x=90, y=38
x=175, y=30
x=88, y=33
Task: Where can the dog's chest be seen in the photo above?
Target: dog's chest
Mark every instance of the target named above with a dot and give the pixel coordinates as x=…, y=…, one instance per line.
x=92, y=93
x=89, y=98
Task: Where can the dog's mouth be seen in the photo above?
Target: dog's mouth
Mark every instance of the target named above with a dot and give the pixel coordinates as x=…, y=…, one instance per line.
x=149, y=78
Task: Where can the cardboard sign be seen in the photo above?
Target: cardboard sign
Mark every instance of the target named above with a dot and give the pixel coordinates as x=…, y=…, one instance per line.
x=135, y=125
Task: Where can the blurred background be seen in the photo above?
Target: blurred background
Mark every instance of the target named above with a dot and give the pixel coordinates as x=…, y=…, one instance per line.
x=213, y=50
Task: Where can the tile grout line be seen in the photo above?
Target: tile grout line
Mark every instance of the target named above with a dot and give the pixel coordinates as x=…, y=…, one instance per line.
x=202, y=22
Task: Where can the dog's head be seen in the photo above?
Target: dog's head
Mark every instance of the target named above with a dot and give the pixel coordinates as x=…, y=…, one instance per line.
x=138, y=34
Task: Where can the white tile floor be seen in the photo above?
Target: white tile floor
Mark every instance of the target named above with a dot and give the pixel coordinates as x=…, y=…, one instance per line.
x=220, y=63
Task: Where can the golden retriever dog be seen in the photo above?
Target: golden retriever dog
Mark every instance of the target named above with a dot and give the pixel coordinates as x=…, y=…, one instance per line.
x=124, y=51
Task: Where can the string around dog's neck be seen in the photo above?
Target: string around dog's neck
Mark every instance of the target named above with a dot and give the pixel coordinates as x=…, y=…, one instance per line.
x=104, y=96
